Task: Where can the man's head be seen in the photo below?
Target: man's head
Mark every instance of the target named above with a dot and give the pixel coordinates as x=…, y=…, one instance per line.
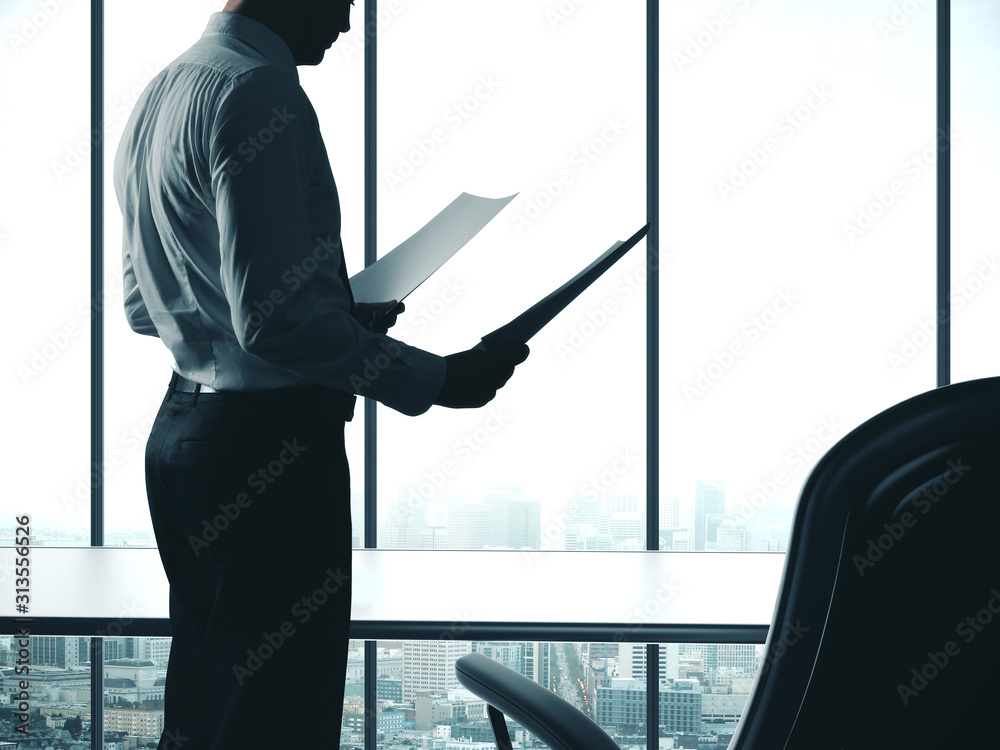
x=308, y=27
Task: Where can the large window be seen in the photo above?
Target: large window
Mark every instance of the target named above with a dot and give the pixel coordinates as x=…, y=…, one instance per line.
x=541, y=106
x=139, y=367
x=797, y=231
x=787, y=156
x=45, y=194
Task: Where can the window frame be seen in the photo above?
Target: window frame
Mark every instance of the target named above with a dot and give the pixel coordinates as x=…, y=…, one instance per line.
x=943, y=260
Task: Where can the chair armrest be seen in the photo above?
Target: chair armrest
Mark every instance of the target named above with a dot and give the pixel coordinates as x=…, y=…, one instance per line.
x=543, y=713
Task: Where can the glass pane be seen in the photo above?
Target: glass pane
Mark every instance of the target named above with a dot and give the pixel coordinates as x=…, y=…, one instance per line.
x=548, y=103
x=797, y=225
x=137, y=368
x=352, y=728
x=336, y=89
x=58, y=692
x=975, y=117
x=420, y=699
x=45, y=259
x=134, y=672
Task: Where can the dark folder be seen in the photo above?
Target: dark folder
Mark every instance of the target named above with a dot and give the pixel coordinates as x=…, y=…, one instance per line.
x=536, y=317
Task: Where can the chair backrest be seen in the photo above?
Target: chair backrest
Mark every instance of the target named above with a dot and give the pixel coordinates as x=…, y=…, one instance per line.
x=887, y=623
x=543, y=713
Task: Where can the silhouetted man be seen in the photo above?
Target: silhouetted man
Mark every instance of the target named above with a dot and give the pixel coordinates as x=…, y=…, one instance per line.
x=232, y=257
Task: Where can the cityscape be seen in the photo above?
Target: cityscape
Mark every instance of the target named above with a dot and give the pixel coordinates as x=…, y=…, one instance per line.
x=703, y=688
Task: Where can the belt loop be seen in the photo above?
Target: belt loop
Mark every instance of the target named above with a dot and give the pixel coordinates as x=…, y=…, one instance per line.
x=173, y=384
x=197, y=390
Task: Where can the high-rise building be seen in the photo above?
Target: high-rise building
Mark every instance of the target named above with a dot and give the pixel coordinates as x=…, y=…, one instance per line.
x=469, y=526
x=508, y=653
x=515, y=522
x=405, y=523
x=586, y=524
x=738, y=659
x=712, y=523
x=669, y=509
x=604, y=650
x=709, y=499
x=55, y=651
x=430, y=666
x=721, y=661
x=114, y=648
x=632, y=661
x=626, y=520
x=584, y=510
x=152, y=649
x=537, y=657
x=708, y=652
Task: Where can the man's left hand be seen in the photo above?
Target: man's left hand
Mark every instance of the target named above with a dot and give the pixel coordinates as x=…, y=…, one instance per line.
x=378, y=317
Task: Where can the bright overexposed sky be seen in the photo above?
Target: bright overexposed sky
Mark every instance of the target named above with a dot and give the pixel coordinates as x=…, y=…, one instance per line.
x=782, y=126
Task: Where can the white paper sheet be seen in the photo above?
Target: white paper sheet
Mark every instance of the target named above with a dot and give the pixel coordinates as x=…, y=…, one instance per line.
x=406, y=267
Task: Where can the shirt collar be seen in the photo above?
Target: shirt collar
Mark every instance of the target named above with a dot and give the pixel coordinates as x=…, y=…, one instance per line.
x=257, y=35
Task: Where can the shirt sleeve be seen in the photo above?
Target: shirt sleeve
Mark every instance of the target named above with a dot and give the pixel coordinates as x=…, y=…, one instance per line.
x=135, y=307
x=280, y=251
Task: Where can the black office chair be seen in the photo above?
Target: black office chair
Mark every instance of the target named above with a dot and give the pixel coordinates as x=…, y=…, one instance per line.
x=886, y=631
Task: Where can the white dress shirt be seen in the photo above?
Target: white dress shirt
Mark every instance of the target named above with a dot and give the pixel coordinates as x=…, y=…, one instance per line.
x=231, y=245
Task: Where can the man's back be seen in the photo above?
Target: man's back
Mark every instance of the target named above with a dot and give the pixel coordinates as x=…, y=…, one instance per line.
x=227, y=195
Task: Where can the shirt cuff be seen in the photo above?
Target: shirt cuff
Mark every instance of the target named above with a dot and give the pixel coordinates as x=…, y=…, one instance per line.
x=422, y=386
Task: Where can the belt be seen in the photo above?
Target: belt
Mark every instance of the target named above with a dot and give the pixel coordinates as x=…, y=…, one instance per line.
x=184, y=385
x=341, y=401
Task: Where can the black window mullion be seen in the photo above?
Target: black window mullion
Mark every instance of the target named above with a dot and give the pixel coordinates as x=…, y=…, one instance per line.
x=943, y=87
x=652, y=276
x=652, y=343
x=96, y=344
x=371, y=434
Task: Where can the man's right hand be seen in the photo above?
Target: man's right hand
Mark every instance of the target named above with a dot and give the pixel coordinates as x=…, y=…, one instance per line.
x=474, y=376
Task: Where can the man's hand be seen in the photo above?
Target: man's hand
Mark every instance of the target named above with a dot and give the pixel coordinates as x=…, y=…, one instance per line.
x=378, y=317
x=474, y=376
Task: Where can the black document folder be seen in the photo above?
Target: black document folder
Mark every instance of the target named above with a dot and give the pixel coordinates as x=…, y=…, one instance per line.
x=536, y=317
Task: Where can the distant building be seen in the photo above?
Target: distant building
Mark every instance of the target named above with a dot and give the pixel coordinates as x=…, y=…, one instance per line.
x=515, y=522
x=469, y=526
x=55, y=651
x=154, y=649
x=464, y=745
x=385, y=721
x=405, y=523
x=683, y=541
x=430, y=666
x=727, y=707
x=472, y=732
x=669, y=509
x=632, y=661
x=537, y=662
x=388, y=689
x=709, y=499
x=626, y=521
x=508, y=653
x=133, y=680
x=623, y=705
x=134, y=721
x=733, y=536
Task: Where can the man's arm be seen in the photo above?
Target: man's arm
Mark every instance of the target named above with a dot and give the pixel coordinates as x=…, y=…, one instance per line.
x=135, y=307
x=282, y=279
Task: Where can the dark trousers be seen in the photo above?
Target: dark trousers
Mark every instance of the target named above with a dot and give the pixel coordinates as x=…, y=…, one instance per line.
x=250, y=501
